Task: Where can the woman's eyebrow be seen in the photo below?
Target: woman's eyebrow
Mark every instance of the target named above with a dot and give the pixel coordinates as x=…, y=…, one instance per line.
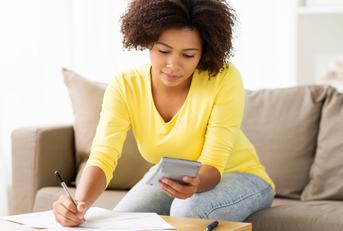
x=187, y=49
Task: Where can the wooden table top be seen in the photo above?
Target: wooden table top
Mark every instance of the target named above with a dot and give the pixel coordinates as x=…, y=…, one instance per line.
x=194, y=224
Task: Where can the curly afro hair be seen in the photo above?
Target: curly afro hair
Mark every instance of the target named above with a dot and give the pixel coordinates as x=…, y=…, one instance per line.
x=145, y=20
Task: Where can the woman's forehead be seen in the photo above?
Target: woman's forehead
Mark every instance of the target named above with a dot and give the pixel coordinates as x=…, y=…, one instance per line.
x=180, y=38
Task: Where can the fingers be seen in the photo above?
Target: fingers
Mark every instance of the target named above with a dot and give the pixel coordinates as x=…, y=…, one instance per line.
x=170, y=191
x=177, y=190
x=66, y=213
x=195, y=181
x=172, y=184
x=66, y=219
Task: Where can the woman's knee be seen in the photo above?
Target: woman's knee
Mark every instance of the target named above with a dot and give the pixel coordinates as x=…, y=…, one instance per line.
x=191, y=207
x=206, y=210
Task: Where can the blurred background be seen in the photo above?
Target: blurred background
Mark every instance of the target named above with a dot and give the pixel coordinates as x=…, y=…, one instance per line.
x=277, y=44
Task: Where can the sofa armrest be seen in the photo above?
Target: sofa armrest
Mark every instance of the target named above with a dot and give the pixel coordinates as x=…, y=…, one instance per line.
x=36, y=153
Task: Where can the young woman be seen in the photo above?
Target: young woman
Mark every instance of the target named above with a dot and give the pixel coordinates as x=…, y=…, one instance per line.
x=187, y=103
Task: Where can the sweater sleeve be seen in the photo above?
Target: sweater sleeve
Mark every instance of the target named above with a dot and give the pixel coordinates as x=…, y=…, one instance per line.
x=111, y=131
x=224, y=123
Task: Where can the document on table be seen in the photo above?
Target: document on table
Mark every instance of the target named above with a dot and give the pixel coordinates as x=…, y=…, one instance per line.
x=96, y=219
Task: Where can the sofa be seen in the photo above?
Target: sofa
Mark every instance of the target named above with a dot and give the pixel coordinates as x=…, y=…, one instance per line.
x=297, y=131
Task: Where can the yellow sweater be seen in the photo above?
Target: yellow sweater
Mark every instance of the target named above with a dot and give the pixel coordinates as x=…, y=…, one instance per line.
x=206, y=128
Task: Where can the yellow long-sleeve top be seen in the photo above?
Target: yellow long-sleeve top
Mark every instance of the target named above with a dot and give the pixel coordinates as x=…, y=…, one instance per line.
x=206, y=128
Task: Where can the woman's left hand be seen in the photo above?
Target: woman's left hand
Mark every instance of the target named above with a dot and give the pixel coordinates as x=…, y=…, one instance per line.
x=176, y=190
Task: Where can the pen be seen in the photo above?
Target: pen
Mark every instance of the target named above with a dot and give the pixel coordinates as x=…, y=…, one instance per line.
x=212, y=226
x=64, y=186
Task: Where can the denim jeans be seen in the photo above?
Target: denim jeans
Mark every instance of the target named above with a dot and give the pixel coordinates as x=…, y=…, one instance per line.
x=237, y=196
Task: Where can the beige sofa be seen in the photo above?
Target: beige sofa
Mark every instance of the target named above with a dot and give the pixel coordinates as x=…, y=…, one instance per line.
x=298, y=133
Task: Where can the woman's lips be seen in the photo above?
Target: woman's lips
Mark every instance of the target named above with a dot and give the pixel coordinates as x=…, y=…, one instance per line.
x=171, y=76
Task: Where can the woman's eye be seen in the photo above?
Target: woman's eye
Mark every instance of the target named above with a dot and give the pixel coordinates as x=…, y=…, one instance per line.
x=163, y=52
x=188, y=56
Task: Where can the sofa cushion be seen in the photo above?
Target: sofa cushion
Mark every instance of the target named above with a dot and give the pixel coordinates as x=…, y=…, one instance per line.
x=47, y=195
x=283, y=201
x=283, y=124
x=327, y=170
x=304, y=216
x=86, y=97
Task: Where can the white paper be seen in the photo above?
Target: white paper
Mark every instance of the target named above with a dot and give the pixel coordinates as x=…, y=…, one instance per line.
x=96, y=219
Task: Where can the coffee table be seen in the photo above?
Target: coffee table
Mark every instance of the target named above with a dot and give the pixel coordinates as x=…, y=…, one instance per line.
x=181, y=224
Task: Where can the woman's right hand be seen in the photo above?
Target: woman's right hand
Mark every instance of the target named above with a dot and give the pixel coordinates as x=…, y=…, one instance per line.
x=67, y=214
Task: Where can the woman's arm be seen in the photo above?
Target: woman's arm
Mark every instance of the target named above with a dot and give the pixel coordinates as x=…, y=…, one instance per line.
x=105, y=151
x=92, y=184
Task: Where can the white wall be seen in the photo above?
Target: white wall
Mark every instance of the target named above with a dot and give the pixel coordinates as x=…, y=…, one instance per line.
x=97, y=41
x=319, y=44
x=3, y=182
x=265, y=42
x=38, y=37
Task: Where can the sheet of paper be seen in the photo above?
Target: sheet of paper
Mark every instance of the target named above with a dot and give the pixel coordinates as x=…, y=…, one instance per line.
x=96, y=219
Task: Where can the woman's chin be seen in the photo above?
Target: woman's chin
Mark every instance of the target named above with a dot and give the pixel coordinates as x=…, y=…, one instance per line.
x=170, y=82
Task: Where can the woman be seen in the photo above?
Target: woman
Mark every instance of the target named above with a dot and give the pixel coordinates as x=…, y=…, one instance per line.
x=188, y=103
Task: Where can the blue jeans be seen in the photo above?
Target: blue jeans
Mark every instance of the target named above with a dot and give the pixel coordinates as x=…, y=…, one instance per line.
x=237, y=196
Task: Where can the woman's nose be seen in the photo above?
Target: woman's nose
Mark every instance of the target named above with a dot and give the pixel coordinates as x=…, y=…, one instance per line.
x=173, y=62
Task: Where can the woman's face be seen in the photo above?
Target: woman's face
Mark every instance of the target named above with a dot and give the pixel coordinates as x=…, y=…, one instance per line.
x=175, y=55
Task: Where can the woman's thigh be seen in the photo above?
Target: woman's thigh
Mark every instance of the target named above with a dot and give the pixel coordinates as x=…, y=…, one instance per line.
x=145, y=198
x=237, y=196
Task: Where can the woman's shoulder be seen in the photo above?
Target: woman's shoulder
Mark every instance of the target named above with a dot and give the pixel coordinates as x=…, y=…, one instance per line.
x=132, y=77
x=134, y=73
x=229, y=72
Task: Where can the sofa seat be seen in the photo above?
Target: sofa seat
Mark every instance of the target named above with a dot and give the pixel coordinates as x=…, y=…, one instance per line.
x=286, y=215
x=47, y=195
